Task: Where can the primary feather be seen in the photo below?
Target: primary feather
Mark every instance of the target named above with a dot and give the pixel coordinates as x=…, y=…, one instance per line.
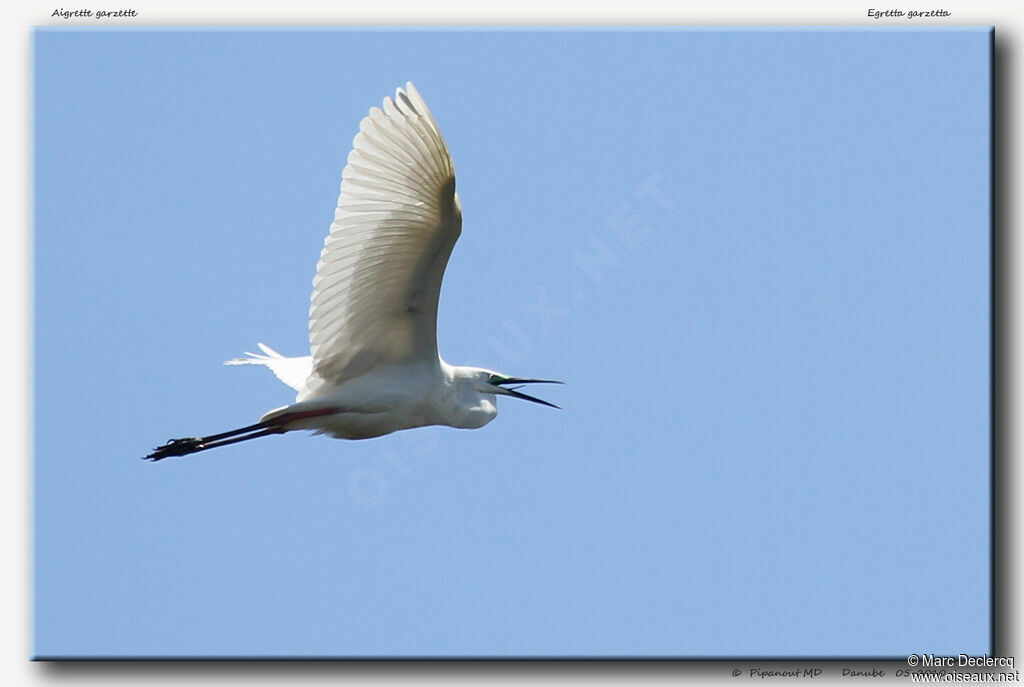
x=377, y=285
x=374, y=367
x=378, y=281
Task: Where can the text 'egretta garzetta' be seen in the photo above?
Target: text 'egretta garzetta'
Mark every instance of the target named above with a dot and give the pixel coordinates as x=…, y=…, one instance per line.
x=373, y=366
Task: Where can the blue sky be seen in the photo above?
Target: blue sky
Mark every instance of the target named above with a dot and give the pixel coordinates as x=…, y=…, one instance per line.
x=759, y=259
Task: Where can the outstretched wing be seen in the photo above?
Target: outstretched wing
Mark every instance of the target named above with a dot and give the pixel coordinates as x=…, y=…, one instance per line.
x=379, y=277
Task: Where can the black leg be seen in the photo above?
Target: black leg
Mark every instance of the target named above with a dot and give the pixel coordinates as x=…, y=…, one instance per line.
x=183, y=447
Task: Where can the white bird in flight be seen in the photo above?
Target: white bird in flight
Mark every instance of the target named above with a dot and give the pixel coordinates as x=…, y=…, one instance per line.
x=373, y=366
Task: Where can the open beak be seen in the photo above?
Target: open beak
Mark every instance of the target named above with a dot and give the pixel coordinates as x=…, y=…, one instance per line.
x=518, y=394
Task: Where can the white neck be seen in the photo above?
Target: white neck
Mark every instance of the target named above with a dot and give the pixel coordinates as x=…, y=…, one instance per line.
x=462, y=403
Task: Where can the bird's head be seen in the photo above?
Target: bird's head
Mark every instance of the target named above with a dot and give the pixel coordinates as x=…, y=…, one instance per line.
x=490, y=382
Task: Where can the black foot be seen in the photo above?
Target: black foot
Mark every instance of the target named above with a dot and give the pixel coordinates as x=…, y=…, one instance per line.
x=176, y=447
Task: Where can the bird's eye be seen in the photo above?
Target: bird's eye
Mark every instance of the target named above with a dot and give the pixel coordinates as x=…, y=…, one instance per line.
x=495, y=379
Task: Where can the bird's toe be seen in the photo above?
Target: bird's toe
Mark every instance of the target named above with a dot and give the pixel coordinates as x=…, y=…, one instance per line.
x=176, y=447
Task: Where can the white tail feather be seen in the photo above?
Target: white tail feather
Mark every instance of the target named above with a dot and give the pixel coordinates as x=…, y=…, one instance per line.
x=292, y=371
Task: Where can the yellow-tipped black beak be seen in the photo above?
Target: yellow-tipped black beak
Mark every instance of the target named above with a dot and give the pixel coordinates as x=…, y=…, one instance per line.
x=526, y=397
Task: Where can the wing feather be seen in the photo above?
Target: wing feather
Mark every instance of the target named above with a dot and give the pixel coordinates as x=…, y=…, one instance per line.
x=379, y=277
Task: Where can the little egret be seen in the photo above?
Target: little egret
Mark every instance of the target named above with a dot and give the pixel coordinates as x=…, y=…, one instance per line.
x=373, y=366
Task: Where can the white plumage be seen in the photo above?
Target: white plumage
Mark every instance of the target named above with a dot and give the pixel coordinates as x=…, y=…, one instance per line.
x=373, y=366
